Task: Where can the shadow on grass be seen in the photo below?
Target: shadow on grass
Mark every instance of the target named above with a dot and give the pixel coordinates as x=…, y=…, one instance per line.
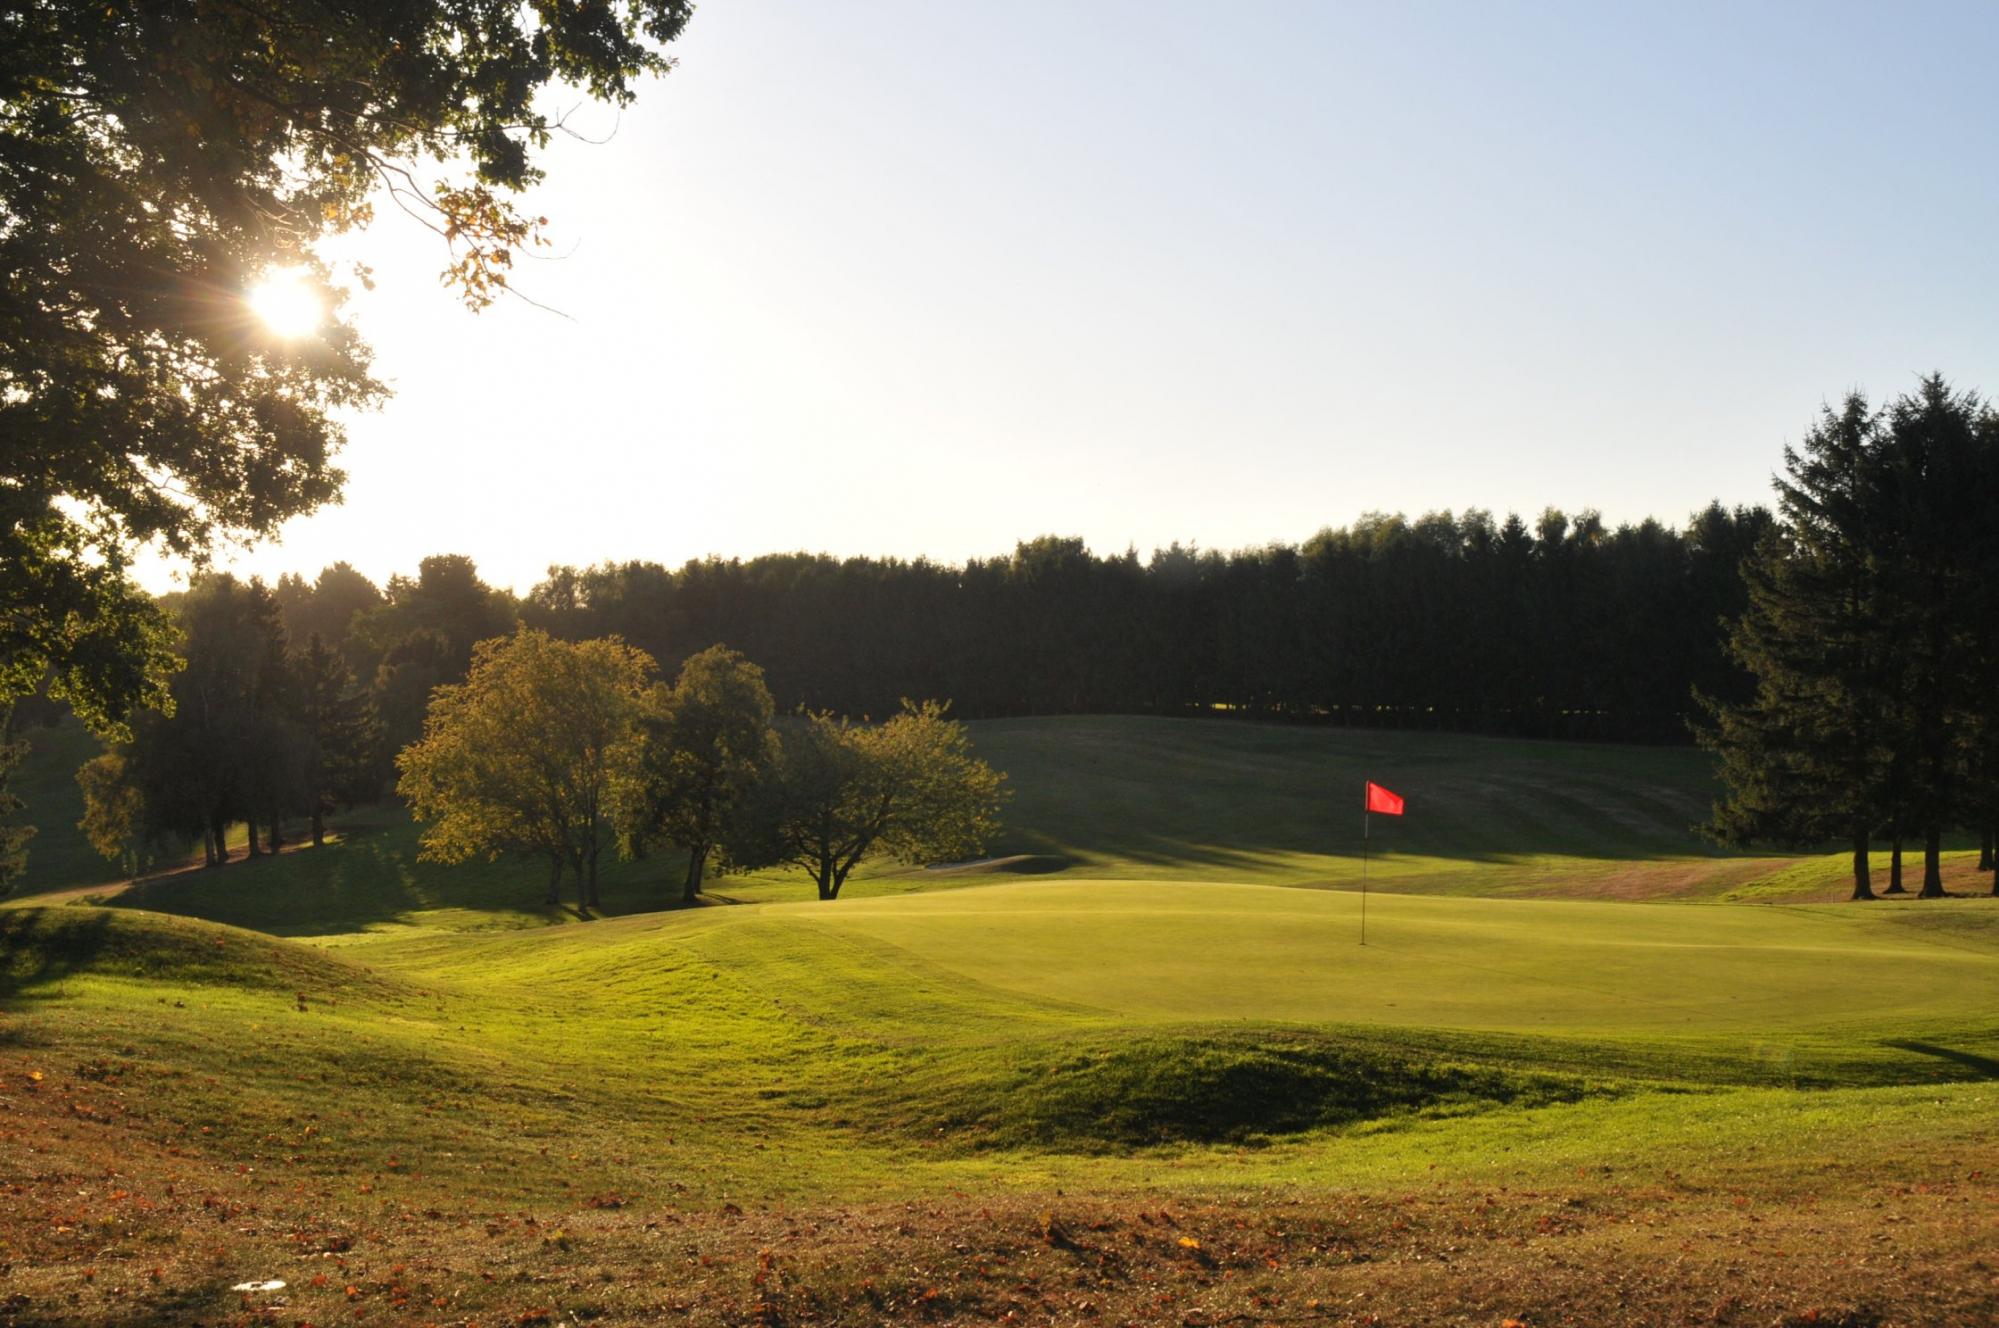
x=34, y=952
x=1983, y=1067
x=1222, y=795
x=203, y=1302
x=373, y=876
x=1234, y=1087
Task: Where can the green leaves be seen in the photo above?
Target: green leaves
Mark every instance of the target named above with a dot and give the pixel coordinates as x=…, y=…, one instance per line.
x=156, y=159
x=706, y=745
x=526, y=755
x=910, y=788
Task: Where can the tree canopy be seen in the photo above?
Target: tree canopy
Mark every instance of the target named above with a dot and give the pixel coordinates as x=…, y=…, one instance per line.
x=528, y=754
x=842, y=791
x=706, y=743
x=157, y=157
x=1871, y=635
x=1576, y=629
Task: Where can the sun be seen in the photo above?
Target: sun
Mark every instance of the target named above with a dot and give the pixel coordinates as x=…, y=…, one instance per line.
x=286, y=302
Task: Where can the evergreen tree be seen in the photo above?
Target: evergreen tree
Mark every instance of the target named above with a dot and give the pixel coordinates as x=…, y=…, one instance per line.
x=1929, y=524
x=1800, y=761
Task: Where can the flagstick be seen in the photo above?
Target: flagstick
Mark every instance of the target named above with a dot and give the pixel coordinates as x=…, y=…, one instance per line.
x=1366, y=825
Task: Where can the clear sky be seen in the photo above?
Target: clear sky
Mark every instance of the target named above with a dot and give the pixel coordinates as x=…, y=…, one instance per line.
x=916, y=278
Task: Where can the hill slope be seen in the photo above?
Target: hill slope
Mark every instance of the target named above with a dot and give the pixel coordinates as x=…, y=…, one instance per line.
x=1100, y=797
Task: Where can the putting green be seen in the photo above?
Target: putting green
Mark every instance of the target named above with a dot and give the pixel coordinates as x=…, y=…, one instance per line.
x=1220, y=952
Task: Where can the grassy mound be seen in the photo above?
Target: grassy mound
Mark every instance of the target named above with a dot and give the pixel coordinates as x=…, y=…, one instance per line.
x=1212, y=1088
x=45, y=947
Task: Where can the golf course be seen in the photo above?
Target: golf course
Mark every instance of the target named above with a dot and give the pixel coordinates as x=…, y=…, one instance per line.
x=1134, y=1066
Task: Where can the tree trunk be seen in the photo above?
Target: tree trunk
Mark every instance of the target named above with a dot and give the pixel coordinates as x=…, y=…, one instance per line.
x=1985, y=849
x=697, y=858
x=250, y=834
x=826, y=887
x=220, y=832
x=591, y=884
x=1895, y=868
x=318, y=828
x=207, y=847
x=1863, y=882
x=277, y=836
x=555, y=883
x=1932, y=862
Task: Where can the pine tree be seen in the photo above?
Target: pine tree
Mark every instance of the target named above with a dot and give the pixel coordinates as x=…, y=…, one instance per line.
x=1926, y=529
x=1800, y=762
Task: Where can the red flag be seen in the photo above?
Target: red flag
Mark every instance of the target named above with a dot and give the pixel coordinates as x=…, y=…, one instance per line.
x=1381, y=800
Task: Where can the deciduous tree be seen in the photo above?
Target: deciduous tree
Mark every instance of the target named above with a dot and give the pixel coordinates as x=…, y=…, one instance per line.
x=527, y=754
x=909, y=788
x=706, y=742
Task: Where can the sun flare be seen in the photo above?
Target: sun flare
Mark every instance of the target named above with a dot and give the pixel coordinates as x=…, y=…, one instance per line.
x=286, y=302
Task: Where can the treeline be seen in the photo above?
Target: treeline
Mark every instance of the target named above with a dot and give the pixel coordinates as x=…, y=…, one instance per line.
x=293, y=700
x=1872, y=630
x=298, y=696
x=1560, y=628
x=261, y=734
x=1841, y=657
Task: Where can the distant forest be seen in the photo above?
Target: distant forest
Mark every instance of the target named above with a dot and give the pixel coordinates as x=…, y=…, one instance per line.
x=1561, y=628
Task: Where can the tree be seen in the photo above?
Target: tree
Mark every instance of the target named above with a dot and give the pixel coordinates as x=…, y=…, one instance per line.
x=341, y=732
x=70, y=619
x=527, y=755
x=114, y=811
x=156, y=158
x=13, y=838
x=229, y=750
x=1932, y=514
x=1800, y=762
x=422, y=634
x=706, y=743
x=327, y=607
x=910, y=788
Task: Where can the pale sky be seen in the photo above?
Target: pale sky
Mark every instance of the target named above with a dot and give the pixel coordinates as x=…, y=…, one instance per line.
x=917, y=278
